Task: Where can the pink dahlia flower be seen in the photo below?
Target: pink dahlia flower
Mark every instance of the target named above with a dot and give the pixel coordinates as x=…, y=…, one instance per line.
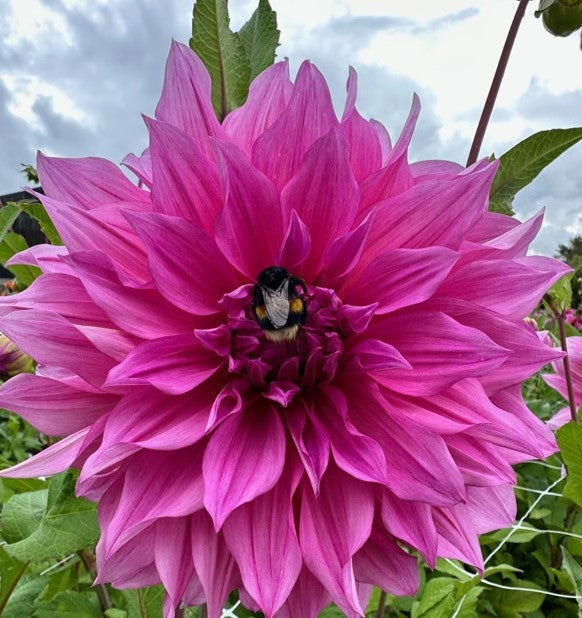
x=558, y=381
x=386, y=416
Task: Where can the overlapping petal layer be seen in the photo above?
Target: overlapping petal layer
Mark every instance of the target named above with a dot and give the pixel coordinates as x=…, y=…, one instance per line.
x=298, y=472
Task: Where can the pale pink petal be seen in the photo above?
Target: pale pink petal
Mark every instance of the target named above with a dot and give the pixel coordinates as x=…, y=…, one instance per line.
x=243, y=460
x=173, y=365
x=308, y=115
x=268, y=96
x=561, y=417
x=141, y=166
x=46, y=257
x=185, y=99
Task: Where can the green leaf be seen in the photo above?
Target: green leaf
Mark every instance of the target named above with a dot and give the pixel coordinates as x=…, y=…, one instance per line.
x=11, y=570
x=570, y=443
x=331, y=611
x=49, y=524
x=468, y=607
x=574, y=570
x=70, y=604
x=12, y=244
x=260, y=38
x=37, y=211
x=20, y=604
x=223, y=54
x=561, y=17
x=517, y=601
x=116, y=613
x=437, y=600
x=144, y=602
x=519, y=536
x=8, y=215
x=520, y=165
x=561, y=293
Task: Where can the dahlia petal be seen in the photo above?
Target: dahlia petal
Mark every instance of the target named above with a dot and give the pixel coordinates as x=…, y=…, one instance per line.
x=244, y=459
x=432, y=213
x=419, y=465
x=186, y=265
x=139, y=311
x=354, y=319
x=51, y=406
x=307, y=598
x=311, y=440
x=383, y=138
x=87, y=182
x=261, y=536
x=324, y=194
x=185, y=183
x=185, y=100
x=344, y=253
x=355, y=453
x=213, y=562
x=375, y=355
x=173, y=477
x=51, y=460
x=382, y=563
x=268, y=96
x=45, y=257
x=434, y=167
x=491, y=225
x=173, y=558
x=251, y=208
x=113, y=342
x=141, y=166
x=308, y=115
x=104, y=226
x=491, y=508
x=457, y=536
x=281, y=392
x=60, y=293
x=441, y=351
x=51, y=339
x=296, y=244
x=329, y=543
x=400, y=277
x=412, y=523
x=173, y=365
x=362, y=139
x=389, y=181
x=560, y=418
x=514, y=293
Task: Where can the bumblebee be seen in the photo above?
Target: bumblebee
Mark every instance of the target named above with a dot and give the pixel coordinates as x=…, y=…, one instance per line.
x=278, y=304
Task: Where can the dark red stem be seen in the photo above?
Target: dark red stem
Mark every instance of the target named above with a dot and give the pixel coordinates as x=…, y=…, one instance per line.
x=381, y=605
x=496, y=83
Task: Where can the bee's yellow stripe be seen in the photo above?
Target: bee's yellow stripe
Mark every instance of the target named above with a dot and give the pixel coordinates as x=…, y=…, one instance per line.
x=296, y=305
x=261, y=312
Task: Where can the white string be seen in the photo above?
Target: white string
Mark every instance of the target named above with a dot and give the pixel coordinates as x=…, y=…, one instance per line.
x=520, y=522
x=228, y=612
x=57, y=565
x=544, y=464
x=544, y=531
x=536, y=590
x=531, y=490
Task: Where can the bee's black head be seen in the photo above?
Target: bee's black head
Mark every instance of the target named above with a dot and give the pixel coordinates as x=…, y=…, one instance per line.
x=272, y=277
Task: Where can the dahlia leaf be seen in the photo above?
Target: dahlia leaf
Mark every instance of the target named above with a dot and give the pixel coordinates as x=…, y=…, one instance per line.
x=570, y=443
x=11, y=570
x=561, y=292
x=8, y=215
x=11, y=245
x=574, y=571
x=223, y=54
x=522, y=163
x=38, y=213
x=49, y=524
x=144, y=602
x=22, y=600
x=260, y=37
x=438, y=599
x=69, y=603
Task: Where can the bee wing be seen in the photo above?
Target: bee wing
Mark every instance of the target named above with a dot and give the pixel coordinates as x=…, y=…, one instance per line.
x=277, y=304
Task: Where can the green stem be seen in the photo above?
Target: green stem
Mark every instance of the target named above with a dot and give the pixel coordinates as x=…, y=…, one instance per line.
x=89, y=563
x=381, y=605
x=180, y=611
x=496, y=83
x=203, y=613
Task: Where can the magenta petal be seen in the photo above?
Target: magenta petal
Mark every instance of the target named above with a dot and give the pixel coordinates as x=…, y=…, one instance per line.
x=440, y=350
x=46, y=257
x=329, y=542
x=243, y=460
x=261, y=536
x=491, y=508
x=311, y=440
x=214, y=563
x=51, y=406
x=308, y=116
x=412, y=523
x=185, y=182
x=173, y=365
x=296, y=244
x=187, y=266
x=457, y=536
x=185, y=100
x=139, y=311
x=401, y=277
x=382, y=563
x=141, y=166
x=268, y=96
x=307, y=598
x=375, y=355
x=354, y=319
x=60, y=293
x=324, y=194
x=87, y=182
x=173, y=557
x=249, y=229
x=51, y=339
x=364, y=147
x=52, y=460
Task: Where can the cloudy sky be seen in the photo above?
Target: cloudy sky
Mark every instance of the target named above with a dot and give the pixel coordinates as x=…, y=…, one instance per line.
x=75, y=75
